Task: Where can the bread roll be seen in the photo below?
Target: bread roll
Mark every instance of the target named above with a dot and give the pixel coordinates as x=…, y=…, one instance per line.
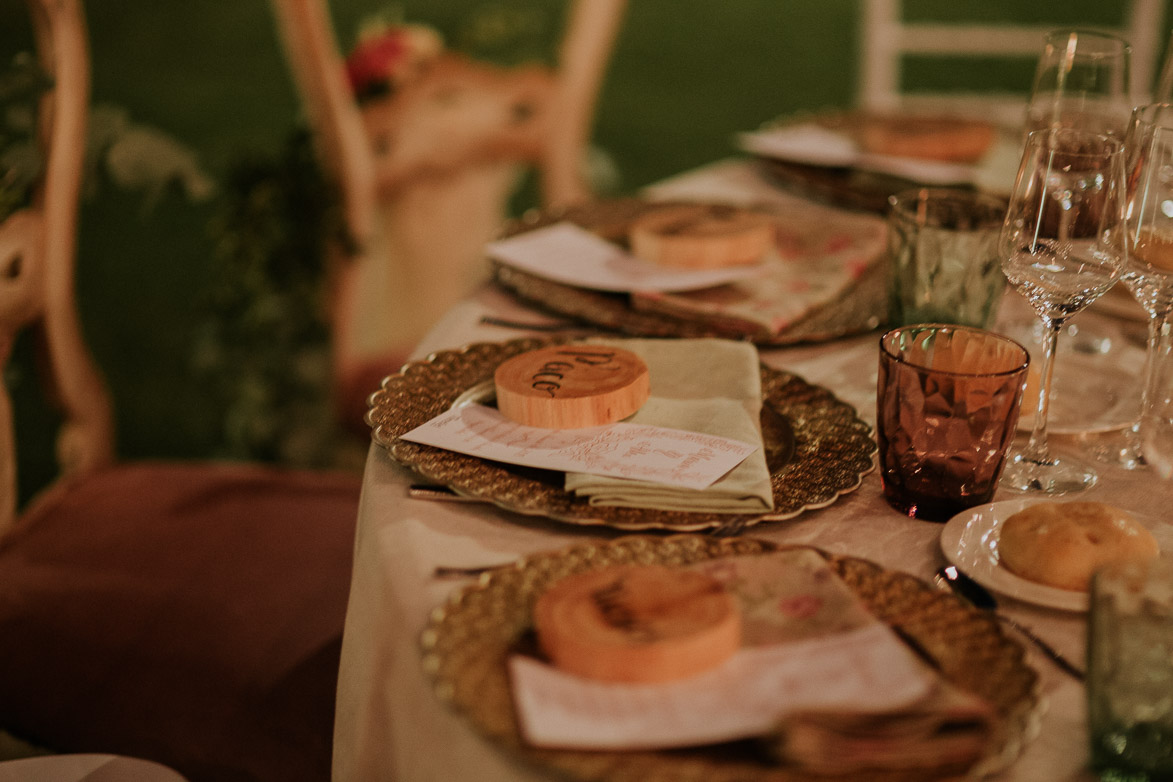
x=637, y=623
x=1062, y=544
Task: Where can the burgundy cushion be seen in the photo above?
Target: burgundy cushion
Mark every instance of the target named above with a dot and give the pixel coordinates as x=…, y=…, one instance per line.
x=187, y=614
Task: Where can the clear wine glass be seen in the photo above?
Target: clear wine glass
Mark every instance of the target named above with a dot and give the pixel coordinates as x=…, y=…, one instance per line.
x=1062, y=245
x=1163, y=89
x=1148, y=272
x=1157, y=419
x=1082, y=80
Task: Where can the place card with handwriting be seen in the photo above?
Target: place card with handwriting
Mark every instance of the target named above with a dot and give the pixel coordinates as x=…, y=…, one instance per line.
x=672, y=457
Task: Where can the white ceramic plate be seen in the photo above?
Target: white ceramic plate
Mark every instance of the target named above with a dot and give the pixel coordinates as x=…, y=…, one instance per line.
x=970, y=542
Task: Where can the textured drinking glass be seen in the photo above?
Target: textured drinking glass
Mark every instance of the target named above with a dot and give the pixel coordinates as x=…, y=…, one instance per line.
x=943, y=252
x=947, y=406
x=1130, y=672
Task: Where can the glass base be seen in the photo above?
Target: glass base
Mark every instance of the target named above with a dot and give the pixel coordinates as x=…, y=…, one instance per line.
x=1050, y=476
x=1120, y=448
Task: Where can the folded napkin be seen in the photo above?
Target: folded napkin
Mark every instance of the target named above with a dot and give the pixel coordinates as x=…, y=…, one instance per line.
x=712, y=386
x=948, y=732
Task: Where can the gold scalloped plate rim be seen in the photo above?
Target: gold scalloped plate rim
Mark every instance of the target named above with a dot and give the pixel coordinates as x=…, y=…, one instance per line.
x=853, y=467
x=463, y=633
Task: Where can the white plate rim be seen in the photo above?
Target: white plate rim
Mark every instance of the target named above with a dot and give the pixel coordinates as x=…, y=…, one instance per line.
x=969, y=542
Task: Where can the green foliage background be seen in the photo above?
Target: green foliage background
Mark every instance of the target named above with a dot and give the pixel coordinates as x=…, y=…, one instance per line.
x=686, y=76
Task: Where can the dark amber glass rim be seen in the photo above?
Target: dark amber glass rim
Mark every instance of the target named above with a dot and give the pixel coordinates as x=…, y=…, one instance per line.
x=886, y=349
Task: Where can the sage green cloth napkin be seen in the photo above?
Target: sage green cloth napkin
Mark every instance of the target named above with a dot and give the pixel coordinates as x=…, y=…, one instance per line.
x=712, y=386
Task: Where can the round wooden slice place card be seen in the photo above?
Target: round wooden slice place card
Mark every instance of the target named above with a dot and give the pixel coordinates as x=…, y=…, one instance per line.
x=571, y=386
x=699, y=236
x=950, y=139
x=637, y=623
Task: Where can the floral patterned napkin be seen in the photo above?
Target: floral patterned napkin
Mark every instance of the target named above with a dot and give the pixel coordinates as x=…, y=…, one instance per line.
x=818, y=258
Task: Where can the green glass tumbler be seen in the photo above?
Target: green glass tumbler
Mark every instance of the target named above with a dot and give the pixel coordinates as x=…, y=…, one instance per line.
x=1130, y=672
x=943, y=257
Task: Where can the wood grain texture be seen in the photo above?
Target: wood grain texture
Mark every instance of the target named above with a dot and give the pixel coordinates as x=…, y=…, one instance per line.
x=701, y=236
x=638, y=623
x=571, y=386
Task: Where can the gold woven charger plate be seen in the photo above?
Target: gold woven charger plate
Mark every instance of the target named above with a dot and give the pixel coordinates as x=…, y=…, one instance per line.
x=469, y=639
x=860, y=310
x=817, y=447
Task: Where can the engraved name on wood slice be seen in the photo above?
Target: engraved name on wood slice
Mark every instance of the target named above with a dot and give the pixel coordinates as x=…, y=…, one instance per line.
x=638, y=623
x=701, y=236
x=571, y=386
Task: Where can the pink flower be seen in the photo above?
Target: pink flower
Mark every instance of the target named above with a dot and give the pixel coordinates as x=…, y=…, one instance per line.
x=374, y=60
x=800, y=606
x=383, y=60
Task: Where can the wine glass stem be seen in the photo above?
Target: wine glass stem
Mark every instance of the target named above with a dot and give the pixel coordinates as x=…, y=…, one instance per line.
x=1036, y=448
x=1160, y=347
x=1147, y=379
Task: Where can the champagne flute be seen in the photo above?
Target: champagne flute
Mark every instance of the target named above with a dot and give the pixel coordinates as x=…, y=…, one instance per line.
x=1148, y=272
x=1081, y=81
x=1062, y=245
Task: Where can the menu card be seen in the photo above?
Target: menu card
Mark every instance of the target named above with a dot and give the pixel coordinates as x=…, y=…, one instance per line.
x=807, y=643
x=648, y=453
x=566, y=253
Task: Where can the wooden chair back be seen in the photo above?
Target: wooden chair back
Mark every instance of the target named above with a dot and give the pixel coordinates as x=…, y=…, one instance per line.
x=37, y=249
x=424, y=175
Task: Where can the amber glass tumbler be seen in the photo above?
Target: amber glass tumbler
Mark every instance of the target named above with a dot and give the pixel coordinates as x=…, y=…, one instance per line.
x=947, y=408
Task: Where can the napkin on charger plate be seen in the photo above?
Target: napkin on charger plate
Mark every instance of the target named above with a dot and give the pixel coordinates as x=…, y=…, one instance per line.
x=712, y=386
x=821, y=255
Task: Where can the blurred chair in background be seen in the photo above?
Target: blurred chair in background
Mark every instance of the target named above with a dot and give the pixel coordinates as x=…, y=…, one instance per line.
x=188, y=614
x=425, y=172
x=887, y=38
